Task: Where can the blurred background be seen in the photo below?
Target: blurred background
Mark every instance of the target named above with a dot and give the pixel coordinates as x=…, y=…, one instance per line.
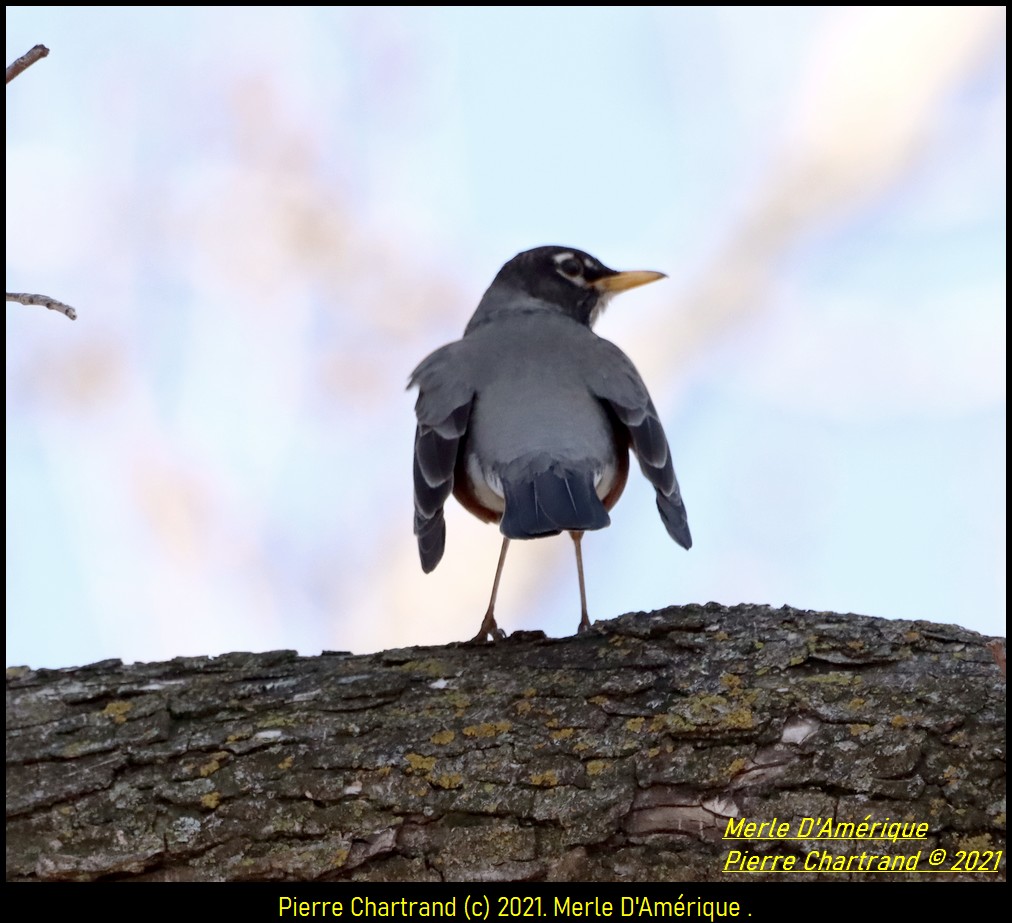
x=267, y=218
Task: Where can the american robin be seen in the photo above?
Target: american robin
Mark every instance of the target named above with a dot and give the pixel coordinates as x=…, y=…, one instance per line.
x=529, y=418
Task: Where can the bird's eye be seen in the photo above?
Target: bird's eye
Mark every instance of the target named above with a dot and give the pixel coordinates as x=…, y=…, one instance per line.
x=571, y=267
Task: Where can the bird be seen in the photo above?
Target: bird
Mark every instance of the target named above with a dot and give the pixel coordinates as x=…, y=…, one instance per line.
x=529, y=418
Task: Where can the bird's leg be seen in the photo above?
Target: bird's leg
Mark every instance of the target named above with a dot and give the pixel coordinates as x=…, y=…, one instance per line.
x=584, y=618
x=489, y=629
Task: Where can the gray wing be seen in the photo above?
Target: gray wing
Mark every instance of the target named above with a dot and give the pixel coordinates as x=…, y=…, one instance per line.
x=614, y=379
x=443, y=409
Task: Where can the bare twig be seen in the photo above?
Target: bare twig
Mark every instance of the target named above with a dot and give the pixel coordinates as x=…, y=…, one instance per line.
x=21, y=64
x=25, y=61
x=45, y=301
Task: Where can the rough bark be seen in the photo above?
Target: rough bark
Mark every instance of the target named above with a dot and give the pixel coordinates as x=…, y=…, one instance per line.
x=617, y=754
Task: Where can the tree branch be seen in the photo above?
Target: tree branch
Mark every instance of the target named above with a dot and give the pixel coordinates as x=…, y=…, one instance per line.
x=43, y=300
x=617, y=754
x=19, y=66
x=25, y=61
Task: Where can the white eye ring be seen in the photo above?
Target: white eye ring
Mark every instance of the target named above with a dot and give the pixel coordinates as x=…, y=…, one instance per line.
x=569, y=266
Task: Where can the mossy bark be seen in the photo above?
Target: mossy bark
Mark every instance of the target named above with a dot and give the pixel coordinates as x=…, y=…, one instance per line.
x=616, y=754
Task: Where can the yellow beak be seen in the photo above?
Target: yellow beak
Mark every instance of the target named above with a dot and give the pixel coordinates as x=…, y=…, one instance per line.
x=623, y=281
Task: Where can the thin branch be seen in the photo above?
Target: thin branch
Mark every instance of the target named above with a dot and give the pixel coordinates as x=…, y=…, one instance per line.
x=45, y=301
x=21, y=64
x=25, y=61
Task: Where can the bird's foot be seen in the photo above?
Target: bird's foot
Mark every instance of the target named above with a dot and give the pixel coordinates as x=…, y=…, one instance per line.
x=489, y=631
x=584, y=624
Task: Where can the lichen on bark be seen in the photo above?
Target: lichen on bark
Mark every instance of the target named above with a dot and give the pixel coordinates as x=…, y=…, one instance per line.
x=620, y=753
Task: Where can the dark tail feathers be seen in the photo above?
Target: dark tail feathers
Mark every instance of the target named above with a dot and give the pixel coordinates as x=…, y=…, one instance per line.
x=548, y=502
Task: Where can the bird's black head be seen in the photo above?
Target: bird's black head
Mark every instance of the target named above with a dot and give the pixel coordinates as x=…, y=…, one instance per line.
x=566, y=278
